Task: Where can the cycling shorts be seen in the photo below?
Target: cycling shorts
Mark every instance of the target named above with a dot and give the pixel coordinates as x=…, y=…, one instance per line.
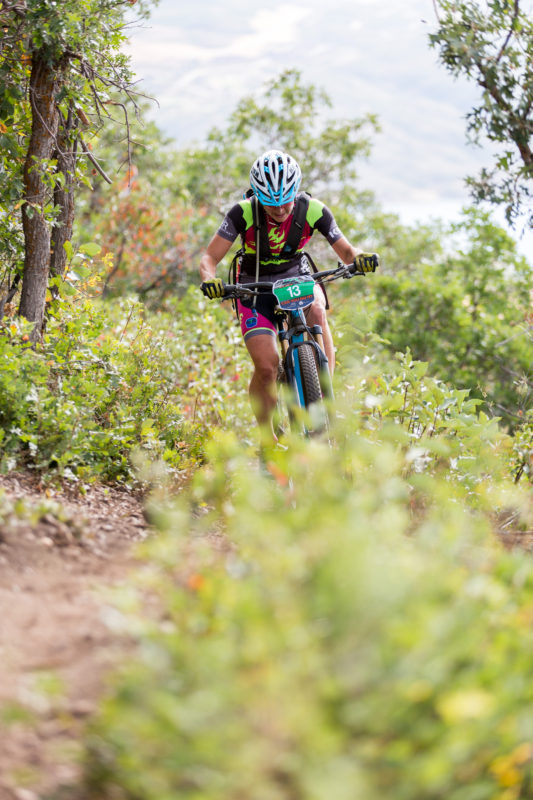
x=260, y=318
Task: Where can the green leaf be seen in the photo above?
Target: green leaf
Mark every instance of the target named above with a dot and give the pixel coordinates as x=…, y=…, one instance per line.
x=69, y=250
x=81, y=271
x=90, y=249
x=67, y=289
x=147, y=426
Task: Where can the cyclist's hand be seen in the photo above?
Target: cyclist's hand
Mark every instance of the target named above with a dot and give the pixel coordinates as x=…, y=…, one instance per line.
x=365, y=262
x=213, y=288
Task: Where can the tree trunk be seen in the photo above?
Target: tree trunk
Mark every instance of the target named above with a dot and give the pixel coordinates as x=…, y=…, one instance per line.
x=63, y=195
x=44, y=84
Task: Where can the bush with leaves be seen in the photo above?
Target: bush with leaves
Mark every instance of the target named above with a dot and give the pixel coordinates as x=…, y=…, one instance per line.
x=522, y=454
x=141, y=217
x=347, y=627
x=465, y=311
x=110, y=379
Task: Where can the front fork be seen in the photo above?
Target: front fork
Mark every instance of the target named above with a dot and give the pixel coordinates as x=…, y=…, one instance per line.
x=292, y=333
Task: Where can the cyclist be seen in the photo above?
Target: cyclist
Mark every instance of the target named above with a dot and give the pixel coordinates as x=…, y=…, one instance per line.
x=264, y=220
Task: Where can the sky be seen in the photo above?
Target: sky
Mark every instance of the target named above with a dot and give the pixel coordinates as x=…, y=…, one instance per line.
x=199, y=59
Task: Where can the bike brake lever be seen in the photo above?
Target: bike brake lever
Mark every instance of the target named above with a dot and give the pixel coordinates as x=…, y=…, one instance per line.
x=348, y=272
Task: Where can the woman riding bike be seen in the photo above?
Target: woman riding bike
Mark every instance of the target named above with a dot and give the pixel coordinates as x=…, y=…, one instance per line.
x=275, y=223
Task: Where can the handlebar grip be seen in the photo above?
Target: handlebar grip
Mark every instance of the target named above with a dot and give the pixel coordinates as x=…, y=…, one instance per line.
x=375, y=261
x=250, y=289
x=371, y=260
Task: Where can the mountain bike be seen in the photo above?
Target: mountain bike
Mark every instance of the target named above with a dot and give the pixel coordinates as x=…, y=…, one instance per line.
x=303, y=375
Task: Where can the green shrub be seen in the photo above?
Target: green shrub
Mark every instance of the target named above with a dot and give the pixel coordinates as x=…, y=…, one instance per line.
x=110, y=379
x=466, y=313
x=522, y=452
x=349, y=627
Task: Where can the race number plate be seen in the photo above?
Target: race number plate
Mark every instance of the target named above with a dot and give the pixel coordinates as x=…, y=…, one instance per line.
x=294, y=293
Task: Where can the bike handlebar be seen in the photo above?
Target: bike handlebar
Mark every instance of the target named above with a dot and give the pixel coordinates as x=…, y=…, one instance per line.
x=251, y=289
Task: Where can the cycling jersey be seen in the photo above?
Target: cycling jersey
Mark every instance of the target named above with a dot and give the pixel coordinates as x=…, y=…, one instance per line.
x=239, y=221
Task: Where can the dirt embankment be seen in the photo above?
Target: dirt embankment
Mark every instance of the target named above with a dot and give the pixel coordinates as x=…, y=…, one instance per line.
x=58, y=552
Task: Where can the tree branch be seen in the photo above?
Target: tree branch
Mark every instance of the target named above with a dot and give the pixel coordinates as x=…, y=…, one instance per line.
x=128, y=134
x=10, y=294
x=516, y=12
x=93, y=161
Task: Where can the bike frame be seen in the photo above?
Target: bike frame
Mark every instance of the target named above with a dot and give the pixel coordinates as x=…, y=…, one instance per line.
x=292, y=330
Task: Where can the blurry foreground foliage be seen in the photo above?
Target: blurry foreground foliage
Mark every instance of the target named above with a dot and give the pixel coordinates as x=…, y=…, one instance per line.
x=348, y=625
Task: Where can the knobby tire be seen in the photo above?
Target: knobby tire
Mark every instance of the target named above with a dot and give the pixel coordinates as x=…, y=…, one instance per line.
x=309, y=372
x=286, y=415
x=312, y=389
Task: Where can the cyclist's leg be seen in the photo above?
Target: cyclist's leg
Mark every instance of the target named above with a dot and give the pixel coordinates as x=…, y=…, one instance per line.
x=316, y=315
x=260, y=336
x=264, y=354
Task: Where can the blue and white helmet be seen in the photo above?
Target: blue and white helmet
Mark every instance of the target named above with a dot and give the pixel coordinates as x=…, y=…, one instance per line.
x=275, y=178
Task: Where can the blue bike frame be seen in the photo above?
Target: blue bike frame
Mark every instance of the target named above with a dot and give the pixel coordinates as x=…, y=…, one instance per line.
x=291, y=338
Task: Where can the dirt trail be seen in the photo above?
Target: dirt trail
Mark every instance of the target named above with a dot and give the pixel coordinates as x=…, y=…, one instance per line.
x=55, y=646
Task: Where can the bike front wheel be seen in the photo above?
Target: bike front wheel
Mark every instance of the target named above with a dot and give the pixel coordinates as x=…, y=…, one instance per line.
x=312, y=391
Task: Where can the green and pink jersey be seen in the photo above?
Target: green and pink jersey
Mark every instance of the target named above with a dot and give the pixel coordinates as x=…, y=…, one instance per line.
x=239, y=222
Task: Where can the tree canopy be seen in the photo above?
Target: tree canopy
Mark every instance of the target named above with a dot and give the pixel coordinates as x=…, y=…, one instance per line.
x=58, y=65
x=492, y=43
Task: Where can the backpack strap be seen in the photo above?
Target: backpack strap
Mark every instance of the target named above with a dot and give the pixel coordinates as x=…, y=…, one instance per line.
x=262, y=245
x=301, y=205
x=260, y=228
x=233, y=275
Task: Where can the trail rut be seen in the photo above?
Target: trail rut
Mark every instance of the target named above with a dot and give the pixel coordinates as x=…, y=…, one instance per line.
x=56, y=558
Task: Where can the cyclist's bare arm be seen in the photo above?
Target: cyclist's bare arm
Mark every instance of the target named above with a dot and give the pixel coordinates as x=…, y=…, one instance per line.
x=345, y=250
x=216, y=250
